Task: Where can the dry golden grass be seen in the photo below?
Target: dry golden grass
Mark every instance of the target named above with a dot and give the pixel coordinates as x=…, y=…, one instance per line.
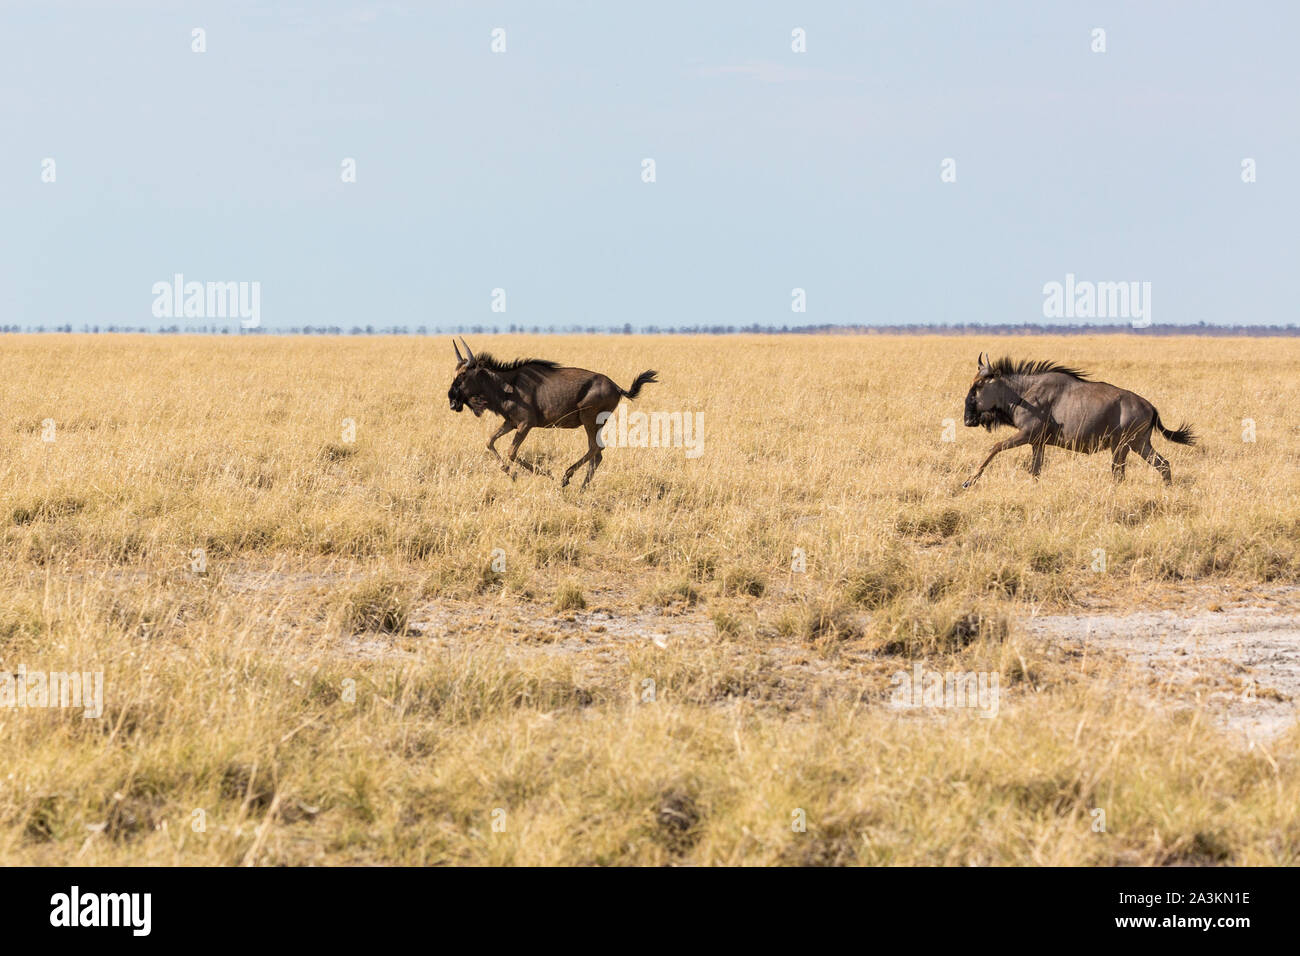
x=326, y=650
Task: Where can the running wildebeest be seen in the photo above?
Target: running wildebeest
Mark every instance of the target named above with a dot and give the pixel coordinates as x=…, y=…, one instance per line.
x=1049, y=404
x=535, y=393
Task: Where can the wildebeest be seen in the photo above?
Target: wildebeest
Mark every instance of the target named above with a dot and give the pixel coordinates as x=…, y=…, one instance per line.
x=1049, y=404
x=535, y=393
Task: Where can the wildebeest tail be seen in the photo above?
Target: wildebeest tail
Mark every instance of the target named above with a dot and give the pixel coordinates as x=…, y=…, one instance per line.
x=645, y=378
x=1182, y=436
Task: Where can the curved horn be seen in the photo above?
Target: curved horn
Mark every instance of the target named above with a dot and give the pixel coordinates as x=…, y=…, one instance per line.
x=459, y=357
x=467, y=348
x=983, y=360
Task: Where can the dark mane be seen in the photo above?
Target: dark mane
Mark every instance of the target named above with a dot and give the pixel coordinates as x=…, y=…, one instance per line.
x=1007, y=366
x=486, y=360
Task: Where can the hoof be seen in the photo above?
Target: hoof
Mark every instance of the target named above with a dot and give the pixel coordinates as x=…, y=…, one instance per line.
x=968, y=482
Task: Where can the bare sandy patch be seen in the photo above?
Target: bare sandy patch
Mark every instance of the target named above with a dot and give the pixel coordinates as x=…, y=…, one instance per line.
x=1235, y=653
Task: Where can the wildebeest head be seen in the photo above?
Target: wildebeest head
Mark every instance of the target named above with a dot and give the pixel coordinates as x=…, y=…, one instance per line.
x=990, y=400
x=469, y=385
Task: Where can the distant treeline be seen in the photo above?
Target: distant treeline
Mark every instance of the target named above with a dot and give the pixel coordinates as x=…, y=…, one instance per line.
x=1200, y=328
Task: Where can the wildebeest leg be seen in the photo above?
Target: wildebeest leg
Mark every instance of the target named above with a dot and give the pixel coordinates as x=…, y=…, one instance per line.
x=1036, y=460
x=1156, y=461
x=1117, y=462
x=591, y=447
x=1015, y=441
x=593, y=454
x=491, y=444
x=534, y=468
x=514, y=449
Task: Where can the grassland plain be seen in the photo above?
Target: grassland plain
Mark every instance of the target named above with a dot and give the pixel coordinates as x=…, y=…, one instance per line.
x=333, y=631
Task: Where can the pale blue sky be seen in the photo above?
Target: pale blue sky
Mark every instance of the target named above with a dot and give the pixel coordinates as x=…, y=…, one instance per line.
x=522, y=170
